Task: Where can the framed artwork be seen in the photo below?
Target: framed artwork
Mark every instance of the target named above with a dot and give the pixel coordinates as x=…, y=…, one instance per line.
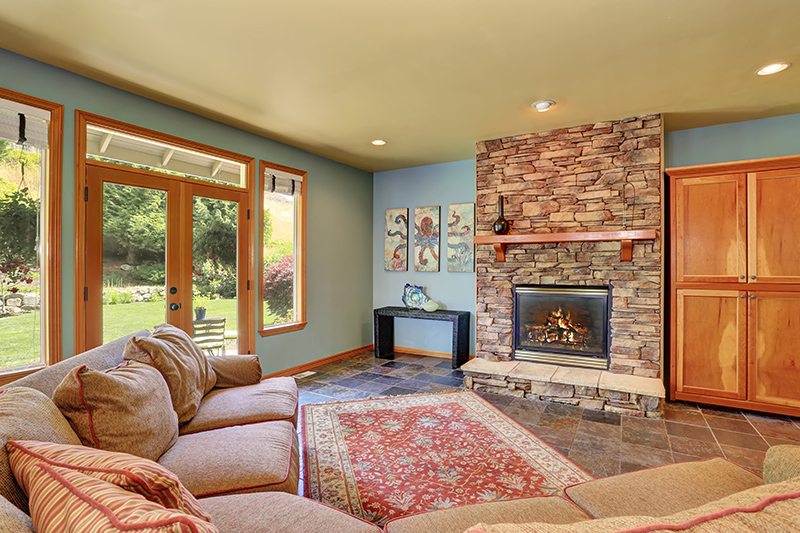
x=395, y=249
x=460, y=238
x=426, y=239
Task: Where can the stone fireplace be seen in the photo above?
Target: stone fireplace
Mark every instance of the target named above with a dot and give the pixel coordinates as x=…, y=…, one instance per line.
x=602, y=177
x=564, y=325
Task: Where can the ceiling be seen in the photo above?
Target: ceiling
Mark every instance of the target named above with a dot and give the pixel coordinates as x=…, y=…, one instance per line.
x=431, y=77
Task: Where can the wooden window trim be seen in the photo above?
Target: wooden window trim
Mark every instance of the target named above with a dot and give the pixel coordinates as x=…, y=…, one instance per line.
x=246, y=256
x=51, y=244
x=300, y=234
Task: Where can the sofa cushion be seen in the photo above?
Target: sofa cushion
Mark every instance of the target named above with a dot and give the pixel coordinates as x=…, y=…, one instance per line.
x=782, y=463
x=236, y=370
x=123, y=409
x=279, y=512
x=663, y=490
x=271, y=399
x=64, y=501
x=12, y=520
x=237, y=459
x=768, y=508
x=182, y=363
x=27, y=414
x=135, y=474
x=551, y=509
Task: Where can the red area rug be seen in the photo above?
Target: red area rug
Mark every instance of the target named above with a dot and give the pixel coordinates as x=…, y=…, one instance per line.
x=384, y=458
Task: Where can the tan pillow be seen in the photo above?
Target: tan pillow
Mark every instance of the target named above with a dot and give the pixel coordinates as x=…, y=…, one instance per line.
x=28, y=414
x=182, y=364
x=236, y=370
x=124, y=409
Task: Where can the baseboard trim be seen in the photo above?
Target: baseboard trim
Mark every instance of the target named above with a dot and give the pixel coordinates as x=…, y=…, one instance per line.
x=429, y=353
x=319, y=362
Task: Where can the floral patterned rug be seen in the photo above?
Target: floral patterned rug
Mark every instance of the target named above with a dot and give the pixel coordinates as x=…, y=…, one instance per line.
x=389, y=457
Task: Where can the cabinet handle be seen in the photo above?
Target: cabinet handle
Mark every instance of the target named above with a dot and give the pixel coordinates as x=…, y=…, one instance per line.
x=741, y=277
x=753, y=297
x=752, y=277
x=741, y=296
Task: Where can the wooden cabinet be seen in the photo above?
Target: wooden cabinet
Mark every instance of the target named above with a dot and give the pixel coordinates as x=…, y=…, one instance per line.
x=735, y=284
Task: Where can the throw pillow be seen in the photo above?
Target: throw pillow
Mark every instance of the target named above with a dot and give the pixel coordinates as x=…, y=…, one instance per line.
x=236, y=370
x=134, y=474
x=182, y=364
x=66, y=501
x=27, y=414
x=123, y=409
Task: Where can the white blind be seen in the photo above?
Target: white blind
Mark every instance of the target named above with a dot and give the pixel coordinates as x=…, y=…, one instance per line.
x=282, y=182
x=23, y=129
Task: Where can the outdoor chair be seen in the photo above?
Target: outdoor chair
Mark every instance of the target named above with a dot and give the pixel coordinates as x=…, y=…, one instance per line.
x=209, y=334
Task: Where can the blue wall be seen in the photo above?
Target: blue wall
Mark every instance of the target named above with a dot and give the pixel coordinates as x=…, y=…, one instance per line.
x=755, y=139
x=339, y=209
x=448, y=183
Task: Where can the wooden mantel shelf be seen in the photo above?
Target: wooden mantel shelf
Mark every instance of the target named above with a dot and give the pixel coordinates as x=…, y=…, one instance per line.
x=626, y=236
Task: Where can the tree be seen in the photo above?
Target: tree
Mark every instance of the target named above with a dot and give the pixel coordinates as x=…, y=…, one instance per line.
x=214, y=234
x=19, y=217
x=134, y=223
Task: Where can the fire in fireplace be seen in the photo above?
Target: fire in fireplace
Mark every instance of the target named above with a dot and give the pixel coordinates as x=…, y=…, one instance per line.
x=562, y=325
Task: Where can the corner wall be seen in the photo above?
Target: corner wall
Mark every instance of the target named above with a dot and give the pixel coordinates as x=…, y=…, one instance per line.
x=339, y=210
x=448, y=183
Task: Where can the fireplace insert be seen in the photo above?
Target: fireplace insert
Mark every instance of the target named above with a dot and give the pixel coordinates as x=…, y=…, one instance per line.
x=562, y=325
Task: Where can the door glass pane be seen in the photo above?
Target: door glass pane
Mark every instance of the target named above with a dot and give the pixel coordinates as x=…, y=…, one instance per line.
x=214, y=280
x=134, y=270
x=279, y=267
x=21, y=171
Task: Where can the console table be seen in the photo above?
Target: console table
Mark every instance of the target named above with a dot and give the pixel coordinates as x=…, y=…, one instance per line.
x=384, y=330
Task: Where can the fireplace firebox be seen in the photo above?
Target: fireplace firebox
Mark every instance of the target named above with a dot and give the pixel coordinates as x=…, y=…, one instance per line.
x=563, y=325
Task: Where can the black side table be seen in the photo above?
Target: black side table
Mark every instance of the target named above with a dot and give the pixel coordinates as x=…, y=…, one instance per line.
x=384, y=330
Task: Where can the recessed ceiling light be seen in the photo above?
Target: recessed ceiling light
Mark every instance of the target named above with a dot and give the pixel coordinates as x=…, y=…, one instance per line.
x=542, y=105
x=773, y=69
x=379, y=142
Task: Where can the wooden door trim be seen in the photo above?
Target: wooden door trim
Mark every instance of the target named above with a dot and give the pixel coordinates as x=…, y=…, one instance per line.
x=246, y=243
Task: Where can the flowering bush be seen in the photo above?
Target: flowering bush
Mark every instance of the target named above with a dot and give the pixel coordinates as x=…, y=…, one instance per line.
x=279, y=286
x=212, y=278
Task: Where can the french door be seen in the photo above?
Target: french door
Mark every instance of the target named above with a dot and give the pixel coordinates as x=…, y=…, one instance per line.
x=160, y=249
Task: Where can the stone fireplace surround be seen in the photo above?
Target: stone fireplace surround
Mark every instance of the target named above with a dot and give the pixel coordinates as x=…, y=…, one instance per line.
x=572, y=180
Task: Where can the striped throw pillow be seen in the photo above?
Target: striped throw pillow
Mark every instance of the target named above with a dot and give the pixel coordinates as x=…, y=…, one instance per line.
x=131, y=473
x=65, y=501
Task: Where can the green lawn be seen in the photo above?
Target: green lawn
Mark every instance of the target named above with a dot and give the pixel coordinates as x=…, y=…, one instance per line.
x=21, y=340
x=123, y=319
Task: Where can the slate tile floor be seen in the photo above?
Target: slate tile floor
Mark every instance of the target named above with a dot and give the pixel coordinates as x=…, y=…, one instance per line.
x=602, y=443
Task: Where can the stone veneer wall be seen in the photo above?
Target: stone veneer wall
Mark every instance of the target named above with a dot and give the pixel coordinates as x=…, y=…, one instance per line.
x=571, y=180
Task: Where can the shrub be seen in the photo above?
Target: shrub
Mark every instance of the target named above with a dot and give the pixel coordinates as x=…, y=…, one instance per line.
x=215, y=280
x=152, y=274
x=279, y=286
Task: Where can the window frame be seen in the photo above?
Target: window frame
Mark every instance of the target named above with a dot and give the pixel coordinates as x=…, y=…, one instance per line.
x=300, y=252
x=50, y=293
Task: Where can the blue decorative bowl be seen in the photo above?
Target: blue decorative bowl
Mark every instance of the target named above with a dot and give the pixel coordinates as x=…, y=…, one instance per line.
x=413, y=297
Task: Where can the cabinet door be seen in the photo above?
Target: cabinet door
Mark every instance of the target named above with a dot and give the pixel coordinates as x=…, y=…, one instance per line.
x=774, y=323
x=710, y=228
x=773, y=235
x=711, y=343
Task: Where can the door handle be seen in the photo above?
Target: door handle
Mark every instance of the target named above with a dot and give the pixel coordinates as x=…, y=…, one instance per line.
x=174, y=307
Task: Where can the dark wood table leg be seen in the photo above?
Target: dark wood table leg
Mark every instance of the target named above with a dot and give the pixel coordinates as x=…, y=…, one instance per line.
x=384, y=336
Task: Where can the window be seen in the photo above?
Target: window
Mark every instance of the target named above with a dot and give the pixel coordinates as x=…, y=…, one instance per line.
x=283, y=263
x=30, y=210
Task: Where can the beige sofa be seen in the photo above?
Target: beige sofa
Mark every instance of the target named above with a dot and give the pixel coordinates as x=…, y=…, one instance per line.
x=239, y=456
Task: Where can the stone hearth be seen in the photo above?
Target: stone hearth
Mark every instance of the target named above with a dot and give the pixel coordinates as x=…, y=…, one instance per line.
x=588, y=388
